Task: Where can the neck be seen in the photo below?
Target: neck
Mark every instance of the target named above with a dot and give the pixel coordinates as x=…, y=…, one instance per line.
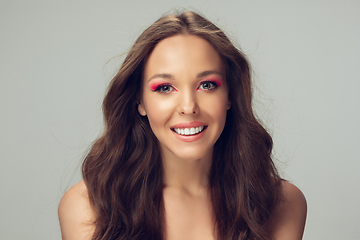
x=187, y=175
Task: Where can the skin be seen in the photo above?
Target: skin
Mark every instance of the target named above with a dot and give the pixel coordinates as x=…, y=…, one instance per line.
x=189, y=65
x=180, y=62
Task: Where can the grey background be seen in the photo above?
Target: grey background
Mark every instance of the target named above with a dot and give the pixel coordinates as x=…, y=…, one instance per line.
x=53, y=74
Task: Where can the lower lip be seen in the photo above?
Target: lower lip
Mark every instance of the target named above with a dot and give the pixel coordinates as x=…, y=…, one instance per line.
x=190, y=138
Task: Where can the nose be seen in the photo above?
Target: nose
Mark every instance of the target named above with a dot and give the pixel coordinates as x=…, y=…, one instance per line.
x=188, y=104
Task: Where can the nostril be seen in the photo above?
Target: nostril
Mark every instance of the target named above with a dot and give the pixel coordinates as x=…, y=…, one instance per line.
x=182, y=112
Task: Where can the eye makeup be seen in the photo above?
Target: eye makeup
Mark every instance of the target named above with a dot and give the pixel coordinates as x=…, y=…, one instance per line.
x=217, y=81
x=154, y=86
x=213, y=82
x=163, y=86
x=160, y=86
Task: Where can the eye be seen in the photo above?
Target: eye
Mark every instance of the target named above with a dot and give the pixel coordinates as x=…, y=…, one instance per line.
x=207, y=85
x=164, y=88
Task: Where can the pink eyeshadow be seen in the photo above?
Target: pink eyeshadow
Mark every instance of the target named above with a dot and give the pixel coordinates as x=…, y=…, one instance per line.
x=217, y=81
x=155, y=84
x=153, y=87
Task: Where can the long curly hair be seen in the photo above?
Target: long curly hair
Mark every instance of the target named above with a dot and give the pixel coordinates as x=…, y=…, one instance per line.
x=123, y=170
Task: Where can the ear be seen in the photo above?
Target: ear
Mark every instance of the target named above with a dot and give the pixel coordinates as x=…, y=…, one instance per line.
x=141, y=109
x=228, y=105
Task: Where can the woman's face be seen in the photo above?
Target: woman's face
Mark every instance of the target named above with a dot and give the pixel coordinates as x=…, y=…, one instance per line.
x=185, y=96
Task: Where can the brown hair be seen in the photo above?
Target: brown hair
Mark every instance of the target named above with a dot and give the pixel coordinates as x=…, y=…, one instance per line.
x=123, y=170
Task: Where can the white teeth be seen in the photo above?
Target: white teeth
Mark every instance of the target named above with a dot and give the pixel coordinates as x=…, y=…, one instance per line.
x=188, y=131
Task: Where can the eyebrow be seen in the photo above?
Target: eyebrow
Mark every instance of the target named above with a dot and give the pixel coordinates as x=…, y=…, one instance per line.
x=162, y=75
x=169, y=76
x=206, y=73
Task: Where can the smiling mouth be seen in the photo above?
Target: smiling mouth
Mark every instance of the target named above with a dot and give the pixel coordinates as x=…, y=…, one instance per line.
x=189, y=131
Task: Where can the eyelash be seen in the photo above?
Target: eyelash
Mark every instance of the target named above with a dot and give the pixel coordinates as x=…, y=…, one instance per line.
x=213, y=85
x=161, y=87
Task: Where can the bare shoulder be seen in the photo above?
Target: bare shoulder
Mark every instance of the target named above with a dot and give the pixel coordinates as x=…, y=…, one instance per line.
x=290, y=215
x=76, y=216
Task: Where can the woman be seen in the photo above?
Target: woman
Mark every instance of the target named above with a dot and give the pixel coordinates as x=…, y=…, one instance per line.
x=182, y=155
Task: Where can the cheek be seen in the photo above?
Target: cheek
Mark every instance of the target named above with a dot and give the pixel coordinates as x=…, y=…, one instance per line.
x=158, y=111
x=217, y=107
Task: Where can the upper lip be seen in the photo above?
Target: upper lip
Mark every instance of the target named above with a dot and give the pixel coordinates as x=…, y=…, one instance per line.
x=189, y=125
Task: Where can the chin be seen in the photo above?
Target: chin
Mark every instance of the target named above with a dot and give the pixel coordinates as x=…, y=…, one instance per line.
x=191, y=154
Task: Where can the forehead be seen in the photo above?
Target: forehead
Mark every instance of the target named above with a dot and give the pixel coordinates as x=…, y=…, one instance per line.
x=183, y=55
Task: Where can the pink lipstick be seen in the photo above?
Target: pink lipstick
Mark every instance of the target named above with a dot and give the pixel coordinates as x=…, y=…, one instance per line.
x=189, y=131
